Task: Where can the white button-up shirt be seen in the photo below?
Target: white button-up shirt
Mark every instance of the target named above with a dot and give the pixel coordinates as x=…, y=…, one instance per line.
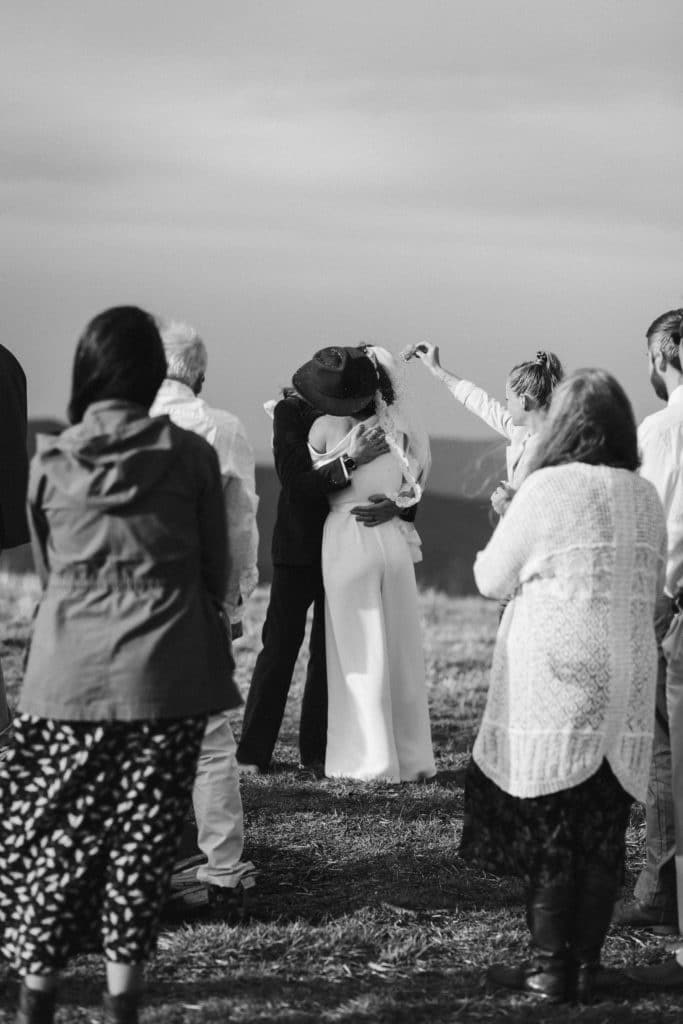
x=660, y=439
x=227, y=435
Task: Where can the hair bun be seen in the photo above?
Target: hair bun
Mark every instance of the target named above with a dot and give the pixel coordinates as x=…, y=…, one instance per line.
x=542, y=358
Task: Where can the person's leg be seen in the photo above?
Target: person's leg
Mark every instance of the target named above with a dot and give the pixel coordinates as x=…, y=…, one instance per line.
x=655, y=890
x=360, y=736
x=218, y=809
x=157, y=764
x=672, y=647
x=601, y=816
x=409, y=705
x=37, y=999
x=313, y=722
x=52, y=813
x=549, y=913
x=120, y=1001
x=540, y=834
x=283, y=633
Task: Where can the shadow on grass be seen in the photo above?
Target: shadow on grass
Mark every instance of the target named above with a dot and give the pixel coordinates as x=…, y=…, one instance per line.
x=458, y=995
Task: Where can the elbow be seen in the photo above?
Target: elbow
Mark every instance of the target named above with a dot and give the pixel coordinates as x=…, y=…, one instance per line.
x=488, y=584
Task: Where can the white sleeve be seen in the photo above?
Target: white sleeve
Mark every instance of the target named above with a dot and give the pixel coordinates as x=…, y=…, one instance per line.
x=498, y=567
x=488, y=409
x=656, y=464
x=241, y=503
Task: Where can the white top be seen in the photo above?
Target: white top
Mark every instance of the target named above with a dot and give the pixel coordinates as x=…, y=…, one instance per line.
x=660, y=439
x=582, y=549
x=383, y=475
x=236, y=458
x=521, y=443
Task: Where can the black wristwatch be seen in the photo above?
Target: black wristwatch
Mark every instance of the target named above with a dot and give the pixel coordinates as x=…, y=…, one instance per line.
x=349, y=463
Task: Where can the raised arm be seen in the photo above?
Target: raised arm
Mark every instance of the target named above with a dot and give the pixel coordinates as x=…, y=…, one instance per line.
x=474, y=398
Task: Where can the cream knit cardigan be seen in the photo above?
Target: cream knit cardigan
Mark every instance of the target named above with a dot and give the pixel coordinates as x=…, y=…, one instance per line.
x=582, y=550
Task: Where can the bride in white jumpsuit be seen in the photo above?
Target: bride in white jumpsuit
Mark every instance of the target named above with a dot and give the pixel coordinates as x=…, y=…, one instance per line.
x=378, y=716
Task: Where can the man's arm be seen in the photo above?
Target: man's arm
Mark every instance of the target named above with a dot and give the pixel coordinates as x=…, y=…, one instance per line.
x=240, y=502
x=300, y=482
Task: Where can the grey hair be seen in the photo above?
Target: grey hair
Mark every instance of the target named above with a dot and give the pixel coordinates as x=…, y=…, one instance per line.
x=185, y=351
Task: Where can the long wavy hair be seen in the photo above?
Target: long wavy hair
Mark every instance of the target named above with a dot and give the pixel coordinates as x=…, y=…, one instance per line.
x=120, y=355
x=590, y=420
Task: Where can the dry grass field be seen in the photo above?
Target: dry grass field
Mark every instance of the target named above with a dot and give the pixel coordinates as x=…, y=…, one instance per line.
x=364, y=911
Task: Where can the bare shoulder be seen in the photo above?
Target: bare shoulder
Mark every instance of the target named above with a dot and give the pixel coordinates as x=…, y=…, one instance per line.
x=327, y=431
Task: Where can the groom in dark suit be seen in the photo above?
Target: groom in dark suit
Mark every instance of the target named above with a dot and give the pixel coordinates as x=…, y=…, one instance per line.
x=296, y=553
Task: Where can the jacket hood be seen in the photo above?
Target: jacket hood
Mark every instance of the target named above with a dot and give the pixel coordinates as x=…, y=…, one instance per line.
x=117, y=454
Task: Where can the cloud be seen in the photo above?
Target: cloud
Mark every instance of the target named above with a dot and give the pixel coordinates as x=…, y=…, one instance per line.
x=278, y=167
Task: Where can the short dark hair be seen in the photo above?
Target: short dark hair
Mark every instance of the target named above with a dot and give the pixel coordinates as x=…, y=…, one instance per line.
x=590, y=420
x=537, y=378
x=120, y=355
x=667, y=329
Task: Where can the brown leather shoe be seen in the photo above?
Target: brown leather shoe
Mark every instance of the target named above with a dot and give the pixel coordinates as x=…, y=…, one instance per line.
x=632, y=914
x=668, y=974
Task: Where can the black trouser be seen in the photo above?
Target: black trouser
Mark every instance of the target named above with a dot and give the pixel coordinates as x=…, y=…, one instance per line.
x=293, y=590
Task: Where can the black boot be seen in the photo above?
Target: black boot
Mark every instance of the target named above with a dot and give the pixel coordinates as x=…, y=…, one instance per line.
x=545, y=974
x=596, y=894
x=35, y=1007
x=122, y=1009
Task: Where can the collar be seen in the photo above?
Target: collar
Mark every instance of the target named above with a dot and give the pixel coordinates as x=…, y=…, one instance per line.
x=171, y=388
x=115, y=407
x=676, y=396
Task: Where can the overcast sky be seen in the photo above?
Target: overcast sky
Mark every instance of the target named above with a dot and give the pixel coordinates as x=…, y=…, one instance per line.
x=496, y=176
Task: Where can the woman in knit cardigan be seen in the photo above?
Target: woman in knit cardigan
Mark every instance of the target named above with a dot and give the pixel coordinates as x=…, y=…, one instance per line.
x=565, y=741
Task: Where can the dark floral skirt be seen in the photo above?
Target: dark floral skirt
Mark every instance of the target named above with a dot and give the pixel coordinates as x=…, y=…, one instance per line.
x=547, y=838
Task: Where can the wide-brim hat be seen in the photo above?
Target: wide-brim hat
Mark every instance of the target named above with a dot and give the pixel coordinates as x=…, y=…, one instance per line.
x=338, y=381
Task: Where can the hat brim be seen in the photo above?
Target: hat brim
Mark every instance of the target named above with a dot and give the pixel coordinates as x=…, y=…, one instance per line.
x=332, y=406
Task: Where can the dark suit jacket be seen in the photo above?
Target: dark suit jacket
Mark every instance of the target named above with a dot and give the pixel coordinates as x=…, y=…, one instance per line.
x=13, y=453
x=302, y=505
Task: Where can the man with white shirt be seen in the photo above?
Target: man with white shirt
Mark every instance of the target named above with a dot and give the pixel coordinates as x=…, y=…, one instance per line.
x=658, y=894
x=216, y=795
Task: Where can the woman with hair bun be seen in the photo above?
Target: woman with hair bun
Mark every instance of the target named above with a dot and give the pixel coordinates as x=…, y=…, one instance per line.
x=528, y=391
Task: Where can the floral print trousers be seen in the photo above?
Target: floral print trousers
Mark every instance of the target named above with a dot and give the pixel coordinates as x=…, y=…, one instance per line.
x=91, y=815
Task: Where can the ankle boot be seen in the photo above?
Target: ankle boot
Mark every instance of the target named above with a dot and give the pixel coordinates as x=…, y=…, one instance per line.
x=121, y=1009
x=597, y=891
x=35, y=1007
x=545, y=974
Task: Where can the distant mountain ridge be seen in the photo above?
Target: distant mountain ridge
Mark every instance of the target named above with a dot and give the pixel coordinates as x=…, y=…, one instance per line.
x=466, y=468
x=453, y=518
